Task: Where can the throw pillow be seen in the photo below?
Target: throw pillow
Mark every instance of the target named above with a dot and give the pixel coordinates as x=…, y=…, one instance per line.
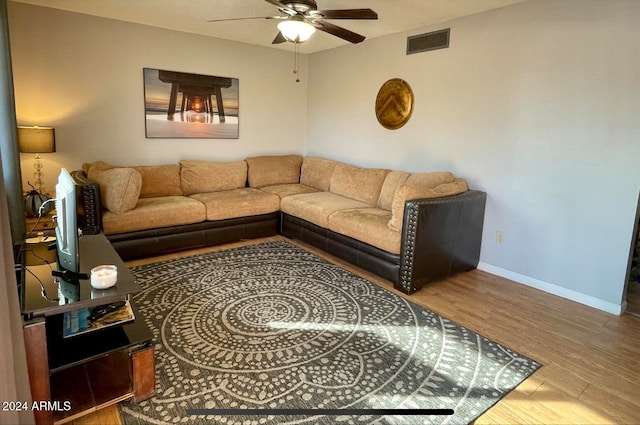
x=432, y=179
x=393, y=180
x=119, y=187
x=409, y=192
x=95, y=166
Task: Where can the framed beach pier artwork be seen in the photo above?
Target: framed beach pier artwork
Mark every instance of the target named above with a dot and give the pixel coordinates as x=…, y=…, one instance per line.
x=184, y=105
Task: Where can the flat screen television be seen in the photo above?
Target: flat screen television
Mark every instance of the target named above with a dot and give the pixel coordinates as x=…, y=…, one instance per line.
x=67, y=243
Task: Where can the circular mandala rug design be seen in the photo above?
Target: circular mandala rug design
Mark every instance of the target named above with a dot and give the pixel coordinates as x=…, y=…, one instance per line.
x=272, y=326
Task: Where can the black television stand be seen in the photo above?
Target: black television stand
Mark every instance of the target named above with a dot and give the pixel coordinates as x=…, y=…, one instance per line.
x=76, y=375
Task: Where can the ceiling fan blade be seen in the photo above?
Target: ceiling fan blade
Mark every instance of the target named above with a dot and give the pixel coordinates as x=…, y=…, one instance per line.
x=242, y=19
x=279, y=39
x=343, y=33
x=347, y=14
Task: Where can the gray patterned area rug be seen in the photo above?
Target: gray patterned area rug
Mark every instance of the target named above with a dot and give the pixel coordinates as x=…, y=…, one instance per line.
x=272, y=326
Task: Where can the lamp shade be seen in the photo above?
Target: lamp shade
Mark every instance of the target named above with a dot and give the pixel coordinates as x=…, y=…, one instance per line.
x=296, y=29
x=36, y=139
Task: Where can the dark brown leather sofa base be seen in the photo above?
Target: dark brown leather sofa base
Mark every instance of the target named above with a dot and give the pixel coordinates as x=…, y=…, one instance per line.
x=375, y=260
x=146, y=243
x=440, y=237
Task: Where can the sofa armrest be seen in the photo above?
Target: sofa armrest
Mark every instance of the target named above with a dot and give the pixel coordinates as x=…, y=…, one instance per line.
x=89, y=203
x=440, y=237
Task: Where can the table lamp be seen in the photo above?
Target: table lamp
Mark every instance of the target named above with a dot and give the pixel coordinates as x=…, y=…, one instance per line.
x=36, y=140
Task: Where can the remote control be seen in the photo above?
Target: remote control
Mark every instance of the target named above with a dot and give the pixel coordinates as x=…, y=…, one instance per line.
x=103, y=310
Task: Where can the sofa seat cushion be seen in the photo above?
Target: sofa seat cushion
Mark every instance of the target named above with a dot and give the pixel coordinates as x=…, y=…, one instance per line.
x=284, y=190
x=151, y=213
x=237, y=203
x=368, y=225
x=317, y=207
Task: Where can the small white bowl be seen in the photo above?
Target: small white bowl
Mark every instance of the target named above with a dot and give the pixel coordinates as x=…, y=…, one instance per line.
x=103, y=277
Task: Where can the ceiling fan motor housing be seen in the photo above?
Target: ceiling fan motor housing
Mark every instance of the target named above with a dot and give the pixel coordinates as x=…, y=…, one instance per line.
x=301, y=6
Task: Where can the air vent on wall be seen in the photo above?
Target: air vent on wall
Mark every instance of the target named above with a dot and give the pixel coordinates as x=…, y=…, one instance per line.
x=429, y=41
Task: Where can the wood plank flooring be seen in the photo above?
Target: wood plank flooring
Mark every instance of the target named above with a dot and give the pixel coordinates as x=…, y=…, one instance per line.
x=591, y=372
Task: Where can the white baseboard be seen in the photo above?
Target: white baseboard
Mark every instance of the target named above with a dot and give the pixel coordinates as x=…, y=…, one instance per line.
x=569, y=294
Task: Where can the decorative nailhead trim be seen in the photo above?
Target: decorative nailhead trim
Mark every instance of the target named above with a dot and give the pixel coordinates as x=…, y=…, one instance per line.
x=406, y=268
x=410, y=233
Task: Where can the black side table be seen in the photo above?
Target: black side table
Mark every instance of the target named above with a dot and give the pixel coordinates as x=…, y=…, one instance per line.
x=95, y=369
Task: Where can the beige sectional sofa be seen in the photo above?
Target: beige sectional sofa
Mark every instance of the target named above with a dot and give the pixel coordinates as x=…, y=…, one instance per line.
x=360, y=214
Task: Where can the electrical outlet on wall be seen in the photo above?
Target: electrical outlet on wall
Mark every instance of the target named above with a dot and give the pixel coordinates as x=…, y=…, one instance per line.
x=499, y=237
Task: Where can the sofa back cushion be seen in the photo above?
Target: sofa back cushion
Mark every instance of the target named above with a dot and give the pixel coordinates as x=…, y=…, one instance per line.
x=207, y=176
x=159, y=180
x=362, y=184
x=119, y=186
x=407, y=192
x=316, y=172
x=273, y=170
x=393, y=180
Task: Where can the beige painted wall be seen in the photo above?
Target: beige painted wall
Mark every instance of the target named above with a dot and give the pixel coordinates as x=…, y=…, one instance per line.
x=537, y=104
x=83, y=76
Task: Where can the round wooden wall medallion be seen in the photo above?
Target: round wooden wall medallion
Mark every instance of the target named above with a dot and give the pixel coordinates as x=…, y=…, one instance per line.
x=394, y=104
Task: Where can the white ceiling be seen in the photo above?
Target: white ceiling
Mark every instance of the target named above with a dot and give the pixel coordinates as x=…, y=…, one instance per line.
x=191, y=16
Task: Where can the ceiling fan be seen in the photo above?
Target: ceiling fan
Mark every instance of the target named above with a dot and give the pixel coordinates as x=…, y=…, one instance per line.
x=301, y=18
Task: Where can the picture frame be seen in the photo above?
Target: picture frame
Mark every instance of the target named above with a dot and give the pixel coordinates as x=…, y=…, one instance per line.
x=184, y=105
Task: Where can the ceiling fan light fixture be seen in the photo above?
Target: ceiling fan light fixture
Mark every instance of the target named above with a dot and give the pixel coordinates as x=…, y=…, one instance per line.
x=296, y=29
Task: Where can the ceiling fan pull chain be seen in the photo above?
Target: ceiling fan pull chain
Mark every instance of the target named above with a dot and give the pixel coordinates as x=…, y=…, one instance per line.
x=295, y=61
